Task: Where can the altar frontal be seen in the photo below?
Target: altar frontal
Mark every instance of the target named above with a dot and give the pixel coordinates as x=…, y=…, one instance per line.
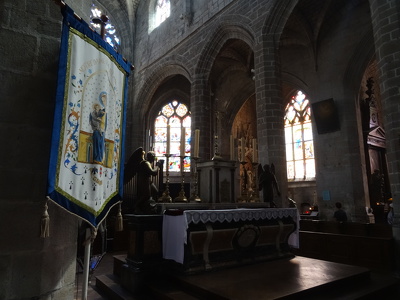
x=206, y=239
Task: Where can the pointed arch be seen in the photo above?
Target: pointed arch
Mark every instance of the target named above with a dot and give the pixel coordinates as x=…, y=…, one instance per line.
x=279, y=14
x=154, y=80
x=231, y=27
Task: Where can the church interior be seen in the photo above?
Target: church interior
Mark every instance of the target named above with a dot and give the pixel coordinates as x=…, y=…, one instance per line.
x=261, y=121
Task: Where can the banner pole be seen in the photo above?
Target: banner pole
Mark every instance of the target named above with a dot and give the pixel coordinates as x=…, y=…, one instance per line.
x=86, y=260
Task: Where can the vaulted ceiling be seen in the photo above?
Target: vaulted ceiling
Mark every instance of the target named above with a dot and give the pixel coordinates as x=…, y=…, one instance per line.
x=311, y=21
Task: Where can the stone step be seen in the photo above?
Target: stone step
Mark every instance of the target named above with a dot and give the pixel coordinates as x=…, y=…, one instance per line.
x=166, y=291
x=118, y=262
x=109, y=285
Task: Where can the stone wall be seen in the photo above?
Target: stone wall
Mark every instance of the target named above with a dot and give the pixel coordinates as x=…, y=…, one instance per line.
x=31, y=267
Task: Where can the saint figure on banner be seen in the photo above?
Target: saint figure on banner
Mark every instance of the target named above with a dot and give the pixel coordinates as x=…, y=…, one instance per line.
x=98, y=122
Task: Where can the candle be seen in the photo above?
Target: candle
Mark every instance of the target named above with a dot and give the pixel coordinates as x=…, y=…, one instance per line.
x=183, y=133
x=196, y=142
x=254, y=150
x=232, y=150
x=168, y=139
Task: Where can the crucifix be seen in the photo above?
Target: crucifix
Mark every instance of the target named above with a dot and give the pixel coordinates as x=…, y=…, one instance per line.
x=102, y=20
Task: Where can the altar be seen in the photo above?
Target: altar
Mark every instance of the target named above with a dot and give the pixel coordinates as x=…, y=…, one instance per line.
x=202, y=240
x=192, y=239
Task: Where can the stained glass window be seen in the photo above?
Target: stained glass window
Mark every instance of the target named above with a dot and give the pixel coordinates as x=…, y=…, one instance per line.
x=109, y=30
x=300, y=158
x=174, y=118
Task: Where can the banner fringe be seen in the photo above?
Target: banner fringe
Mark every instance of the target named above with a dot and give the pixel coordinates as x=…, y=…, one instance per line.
x=83, y=219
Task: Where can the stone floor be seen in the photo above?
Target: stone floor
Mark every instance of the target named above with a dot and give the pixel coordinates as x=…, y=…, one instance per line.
x=105, y=266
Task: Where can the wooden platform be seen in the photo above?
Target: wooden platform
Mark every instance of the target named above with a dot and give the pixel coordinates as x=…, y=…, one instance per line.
x=296, y=278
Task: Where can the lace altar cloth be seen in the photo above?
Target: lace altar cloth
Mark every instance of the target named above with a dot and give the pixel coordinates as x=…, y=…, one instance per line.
x=175, y=226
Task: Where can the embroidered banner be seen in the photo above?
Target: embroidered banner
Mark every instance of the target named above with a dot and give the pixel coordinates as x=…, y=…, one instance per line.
x=86, y=159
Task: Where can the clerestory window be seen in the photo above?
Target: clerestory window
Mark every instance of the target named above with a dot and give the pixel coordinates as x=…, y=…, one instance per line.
x=109, y=31
x=159, y=11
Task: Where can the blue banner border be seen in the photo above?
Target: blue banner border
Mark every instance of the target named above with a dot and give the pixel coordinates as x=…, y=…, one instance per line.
x=70, y=20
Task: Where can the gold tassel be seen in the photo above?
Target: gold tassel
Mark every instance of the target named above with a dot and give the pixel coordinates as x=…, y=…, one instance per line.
x=119, y=222
x=45, y=223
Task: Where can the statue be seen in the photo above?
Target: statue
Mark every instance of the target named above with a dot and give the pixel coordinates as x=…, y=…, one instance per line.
x=151, y=157
x=267, y=183
x=141, y=168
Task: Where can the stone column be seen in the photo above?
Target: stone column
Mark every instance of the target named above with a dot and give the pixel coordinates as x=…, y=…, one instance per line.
x=200, y=108
x=270, y=112
x=385, y=22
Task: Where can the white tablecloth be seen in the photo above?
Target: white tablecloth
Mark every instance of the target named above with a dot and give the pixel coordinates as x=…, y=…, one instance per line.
x=175, y=226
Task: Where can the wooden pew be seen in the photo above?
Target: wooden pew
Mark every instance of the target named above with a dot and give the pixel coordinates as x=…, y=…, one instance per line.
x=367, y=245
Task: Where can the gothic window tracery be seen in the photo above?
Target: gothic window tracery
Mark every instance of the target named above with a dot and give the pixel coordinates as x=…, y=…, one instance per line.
x=300, y=158
x=177, y=116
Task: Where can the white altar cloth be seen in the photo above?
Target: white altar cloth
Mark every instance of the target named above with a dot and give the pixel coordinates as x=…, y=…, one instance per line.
x=175, y=227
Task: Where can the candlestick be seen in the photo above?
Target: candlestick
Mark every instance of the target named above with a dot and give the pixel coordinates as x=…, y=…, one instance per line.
x=168, y=140
x=165, y=195
x=194, y=197
x=181, y=197
x=183, y=133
